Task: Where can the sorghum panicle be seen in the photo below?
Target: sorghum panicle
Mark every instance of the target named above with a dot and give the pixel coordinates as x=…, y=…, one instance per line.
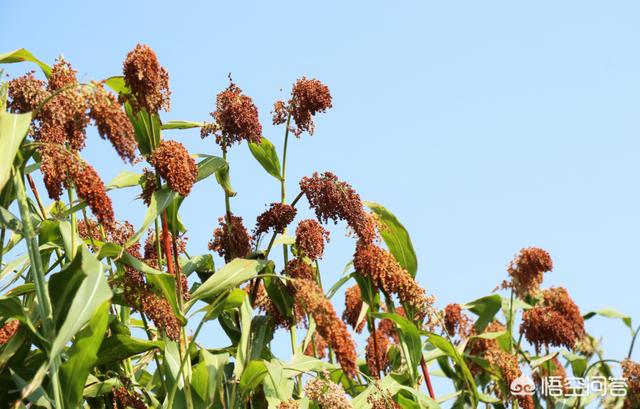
x=149, y=185
x=112, y=122
x=457, y=323
x=236, y=119
x=388, y=276
x=332, y=329
x=326, y=393
x=147, y=80
x=174, y=164
x=353, y=307
x=8, y=330
x=555, y=321
x=231, y=240
x=336, y=200
x=277, y=217
x=527, y=270
x=308, y=97
x=310, y=238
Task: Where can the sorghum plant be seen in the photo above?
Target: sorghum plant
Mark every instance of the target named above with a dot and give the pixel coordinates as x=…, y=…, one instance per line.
x=94, y=309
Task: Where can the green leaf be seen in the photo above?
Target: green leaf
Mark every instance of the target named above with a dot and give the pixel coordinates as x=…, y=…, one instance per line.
x=9, y=221
x=117, y=84
x=251, y=377
x=396, y=238
x=301, y=363
x=82, y=356
x=445, y=346
x=91, y=294
x=261, y=335
x=409, y=337
x=490, y=335
x=610, y=313
x=160, y=200
x=230, y=275
x=21, y=55
x=182, y=125
x=265, y=154
x=578, y=363
x=485, y=308
x=243, y=353
x=124, y=179
x=207, y=375
x=277, y=384
x=121, y=346
x=13, y=129
x=210, y=165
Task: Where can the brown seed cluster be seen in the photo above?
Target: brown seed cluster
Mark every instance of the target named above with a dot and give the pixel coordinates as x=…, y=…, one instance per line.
x=147, y=80
x=26, y=93
x=631, y=371
x=527, y=270
x=290, y=404
x=62, y=110
x=383, y=401
x=317, y=347
x=92, y=190
x=298, y=268
x=337, y=200
x=555, y=321
x=310, y=238
x=329, y=326
x=236, y=119
x=508, y=366
x=8, y=330
x=352, y=308
x=280, y=113
x=231, y=240
x=174, y=164
x=326, y=393
x=308, y=97
x=387, y=275
x=377, y=359
x=124, y=398
x=277, y=217
x=457, y=323
x=112, y=122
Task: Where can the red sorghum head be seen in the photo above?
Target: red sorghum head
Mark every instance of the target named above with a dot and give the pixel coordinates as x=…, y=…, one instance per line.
x=174, y=164
x=8, y=330
x=147, y=80
x=457, y=323
x=231, y=240
x=236, y=119
x=327, y=393
x=527, y=270
x=337, y=200
x=308, y=97
x=112, y=122
x=555, y=321
x=353, y=307
x=332, y=329
x=277, y=217
x=310, y=238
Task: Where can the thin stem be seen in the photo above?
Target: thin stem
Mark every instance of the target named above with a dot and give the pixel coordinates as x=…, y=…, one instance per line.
x=427, y=378
x=3, y=231
x=372, y=329
x=633, y=341
x=510, y=322
x=155, y=353
x=74, y=223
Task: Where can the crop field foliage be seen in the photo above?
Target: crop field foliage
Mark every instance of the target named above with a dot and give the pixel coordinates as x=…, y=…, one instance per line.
x=98, y=312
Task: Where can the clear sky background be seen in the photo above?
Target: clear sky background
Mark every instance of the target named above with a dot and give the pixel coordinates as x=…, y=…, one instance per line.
x=484, y=126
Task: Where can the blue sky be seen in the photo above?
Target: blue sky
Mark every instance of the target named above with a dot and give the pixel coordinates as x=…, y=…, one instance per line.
x=484, y=126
